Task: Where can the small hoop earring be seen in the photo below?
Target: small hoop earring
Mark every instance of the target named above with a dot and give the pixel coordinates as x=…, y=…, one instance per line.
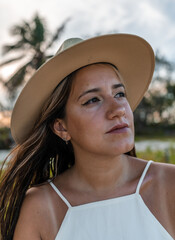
x=64, y=139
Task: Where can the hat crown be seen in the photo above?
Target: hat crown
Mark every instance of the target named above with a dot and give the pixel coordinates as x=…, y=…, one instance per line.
x=68, y=43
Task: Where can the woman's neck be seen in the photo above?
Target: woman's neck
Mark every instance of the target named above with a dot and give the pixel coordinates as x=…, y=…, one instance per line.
x=100, y=174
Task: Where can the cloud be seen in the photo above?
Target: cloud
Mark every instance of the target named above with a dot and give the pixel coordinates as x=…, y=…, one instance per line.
x=151, y=19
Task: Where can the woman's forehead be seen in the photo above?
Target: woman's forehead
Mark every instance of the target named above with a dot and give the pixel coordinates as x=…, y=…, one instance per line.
x=94, y=75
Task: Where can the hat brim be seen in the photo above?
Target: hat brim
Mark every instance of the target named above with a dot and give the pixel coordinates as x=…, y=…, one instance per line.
x=132, y=55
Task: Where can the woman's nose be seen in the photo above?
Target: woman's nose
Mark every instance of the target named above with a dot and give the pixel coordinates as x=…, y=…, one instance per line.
x=115, y=109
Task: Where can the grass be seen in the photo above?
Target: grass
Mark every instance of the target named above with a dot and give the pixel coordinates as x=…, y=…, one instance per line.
x=167, y=156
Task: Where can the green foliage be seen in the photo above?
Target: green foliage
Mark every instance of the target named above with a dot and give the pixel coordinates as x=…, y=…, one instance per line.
x=154, y=130
x=162, y=63
x=156, y=108
x=30, y=35
x=171, y=90
x=16, y=79
x=167, y=156
x=38, y=33
x=159, y=103
x=5, y=138
x=32, y=40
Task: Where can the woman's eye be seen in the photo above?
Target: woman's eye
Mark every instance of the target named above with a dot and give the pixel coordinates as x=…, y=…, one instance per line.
x=90, y=101
x=120, y=95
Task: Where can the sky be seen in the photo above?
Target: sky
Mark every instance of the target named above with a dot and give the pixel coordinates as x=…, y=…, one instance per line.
x=153, y=20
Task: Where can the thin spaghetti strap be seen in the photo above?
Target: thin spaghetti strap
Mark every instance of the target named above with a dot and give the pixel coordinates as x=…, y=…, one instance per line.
x=143, y=176
x=60, y=195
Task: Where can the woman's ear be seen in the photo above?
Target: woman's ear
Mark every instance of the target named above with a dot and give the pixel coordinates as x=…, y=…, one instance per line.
x=59, y=128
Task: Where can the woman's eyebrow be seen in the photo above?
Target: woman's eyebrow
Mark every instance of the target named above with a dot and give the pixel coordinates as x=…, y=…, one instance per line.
x=118, y=85
x=98, y=89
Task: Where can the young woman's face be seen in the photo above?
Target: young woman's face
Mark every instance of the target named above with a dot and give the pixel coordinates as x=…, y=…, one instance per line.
x=98, y=118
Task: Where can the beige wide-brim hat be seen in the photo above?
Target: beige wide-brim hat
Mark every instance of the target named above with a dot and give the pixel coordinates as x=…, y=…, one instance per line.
x=132, y=55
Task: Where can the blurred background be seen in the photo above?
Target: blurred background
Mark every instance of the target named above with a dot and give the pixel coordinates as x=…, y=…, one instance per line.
x=31, y=33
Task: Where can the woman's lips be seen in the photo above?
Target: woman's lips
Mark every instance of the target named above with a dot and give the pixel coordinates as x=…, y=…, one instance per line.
x=120, y=128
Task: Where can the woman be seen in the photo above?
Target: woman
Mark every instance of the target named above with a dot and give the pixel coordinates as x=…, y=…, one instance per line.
x=74, y=173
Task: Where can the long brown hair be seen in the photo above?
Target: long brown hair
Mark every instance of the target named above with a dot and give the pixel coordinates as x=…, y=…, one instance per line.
x=42, y=156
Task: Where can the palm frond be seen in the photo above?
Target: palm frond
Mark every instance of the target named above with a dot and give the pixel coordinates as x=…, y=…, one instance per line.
x=17, y=46
x=18, y=30
x=16, y=80
x=57, y=33
x=161, y=61
x=38, y=59
x=38, y=31
x=31, y=36
x=11, y=60
x=22, y=32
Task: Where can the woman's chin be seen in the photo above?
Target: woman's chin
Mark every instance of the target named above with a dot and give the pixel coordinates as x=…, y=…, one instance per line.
x=120, y=148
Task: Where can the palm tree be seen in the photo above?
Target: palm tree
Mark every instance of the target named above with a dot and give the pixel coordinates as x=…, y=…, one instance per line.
x=32, y=41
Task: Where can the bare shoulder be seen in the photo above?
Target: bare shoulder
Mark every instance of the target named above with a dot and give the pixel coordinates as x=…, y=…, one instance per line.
x=161, y=176
x=164, y=177
x=165, y=174
x=33, y=213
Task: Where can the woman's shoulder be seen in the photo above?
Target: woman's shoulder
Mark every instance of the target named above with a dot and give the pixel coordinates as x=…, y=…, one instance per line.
x=165, y=172
x=162, y=172
x=165, y=191
x=160, y=175
x=32, y=214
x=37, y=217
x=36, y=194
x=36, y=199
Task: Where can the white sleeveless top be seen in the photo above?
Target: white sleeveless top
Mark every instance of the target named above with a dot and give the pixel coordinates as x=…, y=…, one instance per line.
x=121, y=218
